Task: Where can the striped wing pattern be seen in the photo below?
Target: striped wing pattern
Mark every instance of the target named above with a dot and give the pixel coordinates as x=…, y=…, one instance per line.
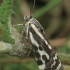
x=45, y=56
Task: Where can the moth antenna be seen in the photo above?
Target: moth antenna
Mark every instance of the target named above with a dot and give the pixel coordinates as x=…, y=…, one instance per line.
x=34, y=4
x=27, y=2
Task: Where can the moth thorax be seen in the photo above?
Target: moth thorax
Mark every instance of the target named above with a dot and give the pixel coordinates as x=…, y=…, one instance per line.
x=27, y=17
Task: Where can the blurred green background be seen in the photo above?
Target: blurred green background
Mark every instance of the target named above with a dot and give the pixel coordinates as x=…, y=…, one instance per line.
x=54, y=16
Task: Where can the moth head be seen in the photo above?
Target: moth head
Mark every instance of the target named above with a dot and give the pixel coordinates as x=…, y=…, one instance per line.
x=27, y=17
x=32, y=26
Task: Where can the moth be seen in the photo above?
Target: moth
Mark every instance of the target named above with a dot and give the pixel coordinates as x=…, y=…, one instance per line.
x=45, y=55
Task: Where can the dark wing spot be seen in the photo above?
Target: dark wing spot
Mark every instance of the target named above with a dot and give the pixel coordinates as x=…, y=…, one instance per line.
x=46, y=68
x=35, y=48
x=49, y=63
x=40, y=48
x=37, y=55
x=45, y=58
x=39, y=62
x=56, y=65
x=46, y=48
x=41, y=30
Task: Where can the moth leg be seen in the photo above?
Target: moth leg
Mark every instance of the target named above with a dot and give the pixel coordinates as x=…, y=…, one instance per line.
x=23, y=36
x=29, y=52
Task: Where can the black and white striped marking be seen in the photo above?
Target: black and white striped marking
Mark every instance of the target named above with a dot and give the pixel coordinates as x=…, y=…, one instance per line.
x=46, y=57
